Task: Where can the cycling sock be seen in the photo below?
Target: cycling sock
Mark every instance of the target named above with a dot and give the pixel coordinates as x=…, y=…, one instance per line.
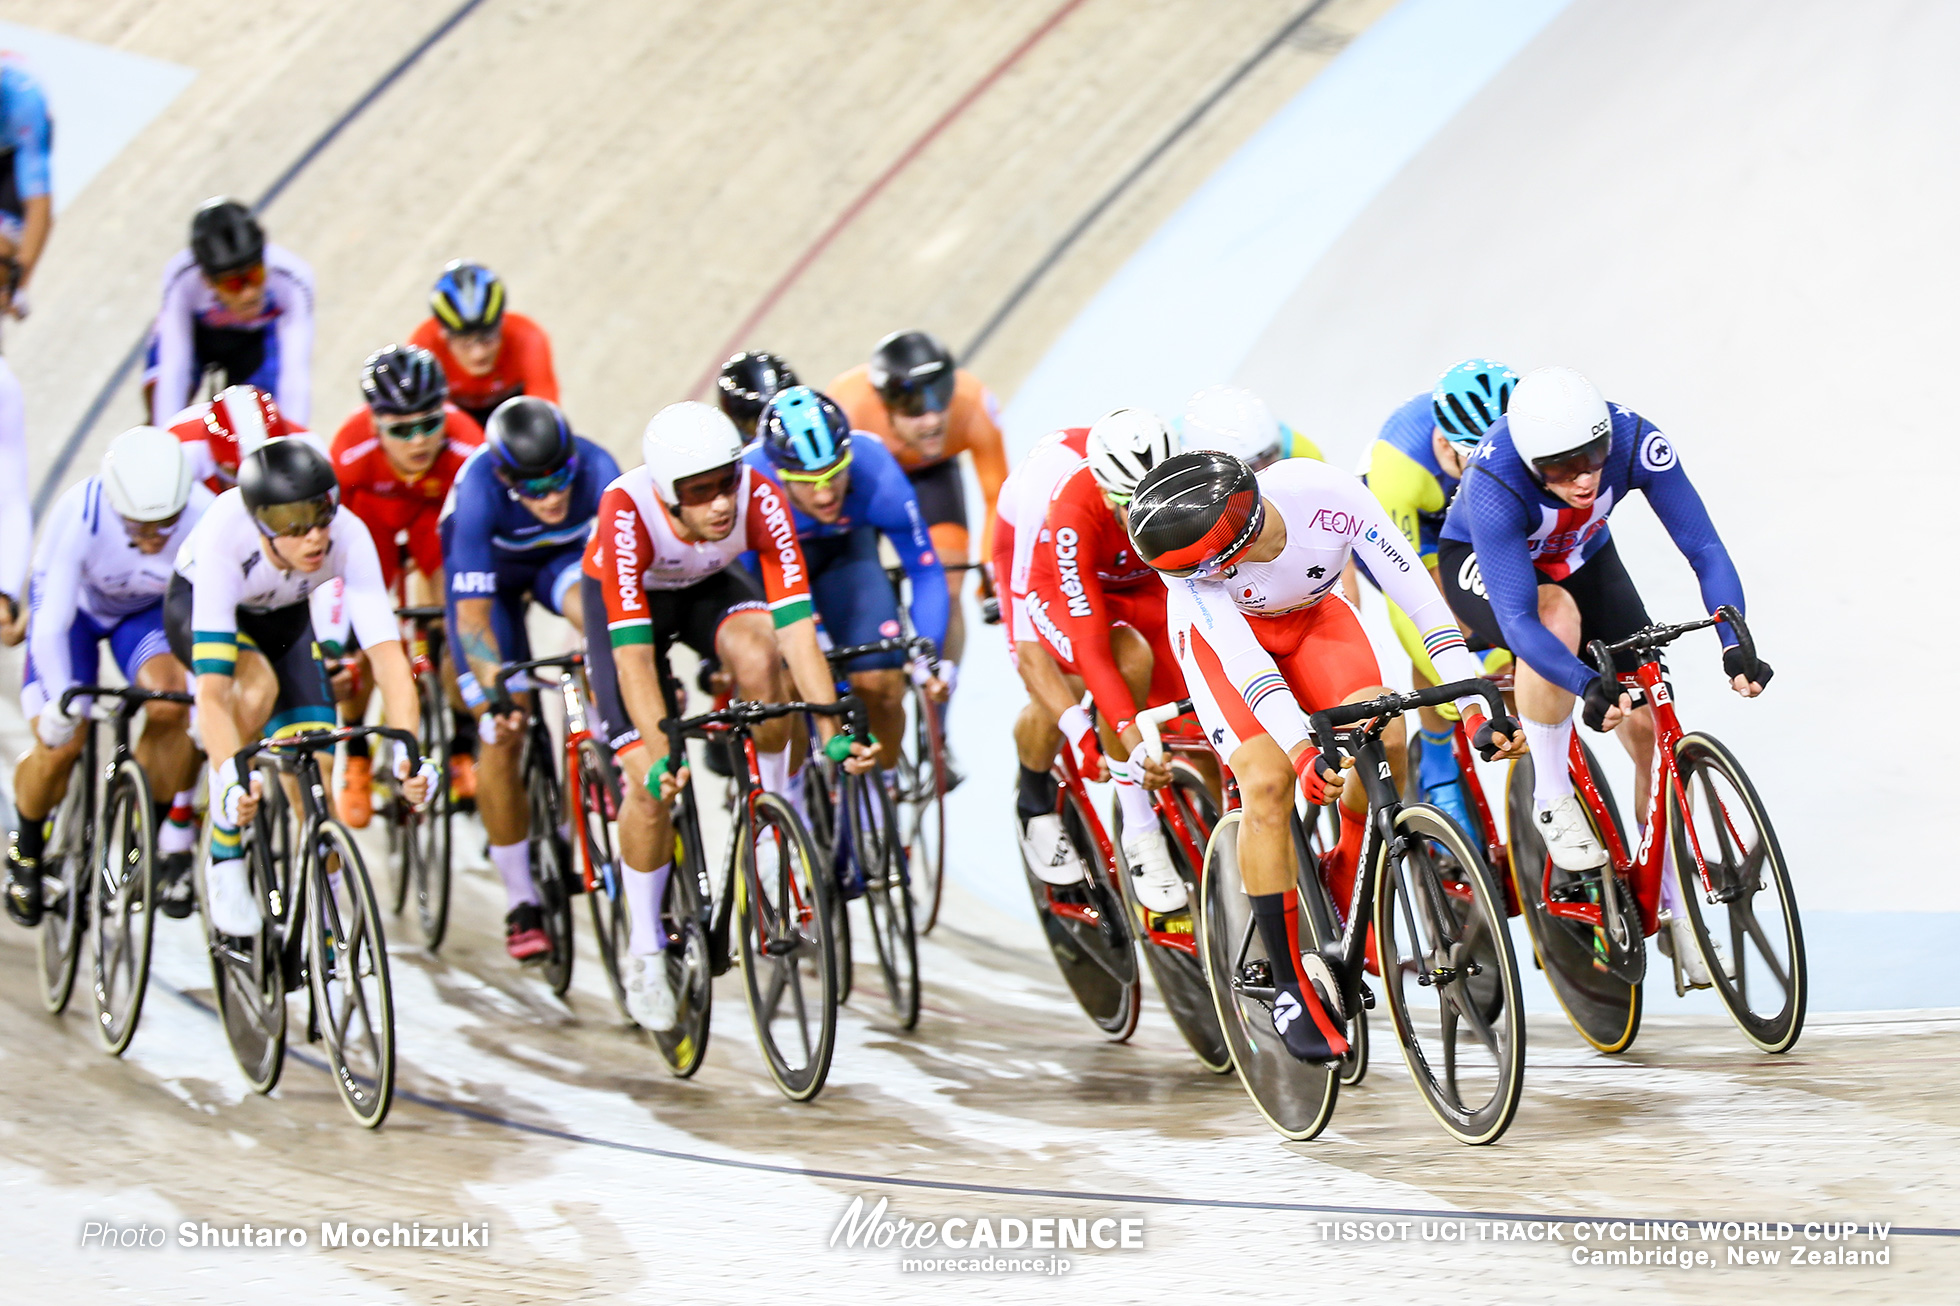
x=1438, y=758
x=513, y=863
x=775, y=769
x=1138, y=815
x=1340, y=869
x=464, y=740
x=793, y=789
x=1671, y=902
x=644, y=890
x=177, y=832
x=31, y=839
x=1037, y=792
x=1278, y=918
x=357, y=746
x=1550, y=745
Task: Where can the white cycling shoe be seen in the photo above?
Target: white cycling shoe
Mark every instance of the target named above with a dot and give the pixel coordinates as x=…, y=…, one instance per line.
x=1049, y=853
x=233, y=906
x=1568, y=837
x=1153, y=879
x=649, y=995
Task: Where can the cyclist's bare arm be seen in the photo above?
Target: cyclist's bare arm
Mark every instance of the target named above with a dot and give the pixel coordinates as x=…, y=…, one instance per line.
x=639, y=690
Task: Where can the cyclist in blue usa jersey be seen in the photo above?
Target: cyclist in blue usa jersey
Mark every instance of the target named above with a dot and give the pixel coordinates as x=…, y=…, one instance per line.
x=512, y=533
x=1528, y=563
x=845, y=489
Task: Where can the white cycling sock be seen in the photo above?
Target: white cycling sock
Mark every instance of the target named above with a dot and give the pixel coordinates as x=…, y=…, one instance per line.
x=1138, y=815
x=1671, y=902
x=644, y=890
x=1550, y=745
x=794, y=791
x=178, y=833
x=775, y=769
x=513, y=863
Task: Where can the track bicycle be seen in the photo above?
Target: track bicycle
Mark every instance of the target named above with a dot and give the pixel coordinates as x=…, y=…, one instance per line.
x=924, y=775
x=321, y=928
x=1439, y=927
x=1704, y=815
x=420, y=842
x=548, y=828
x=99, y=869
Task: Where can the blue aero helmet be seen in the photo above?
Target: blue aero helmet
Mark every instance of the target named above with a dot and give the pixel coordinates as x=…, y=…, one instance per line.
x=1469, y=397
x=805, y=433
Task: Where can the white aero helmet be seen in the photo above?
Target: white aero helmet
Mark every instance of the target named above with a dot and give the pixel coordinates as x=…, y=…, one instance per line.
x=146, y=475
x=1234, y=421
x=1124, y=445
x=1556, y=413
x=684, y=440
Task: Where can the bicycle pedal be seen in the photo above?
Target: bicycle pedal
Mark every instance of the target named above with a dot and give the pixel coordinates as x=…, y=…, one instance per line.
x=1367, y=996
x=1257, y=974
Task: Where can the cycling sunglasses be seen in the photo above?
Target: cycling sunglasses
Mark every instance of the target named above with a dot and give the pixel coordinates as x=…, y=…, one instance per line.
x=410, y=428
x=152, y=530
x=292, y=520
x=817, y=480
x=915, y=399
x=240, y=280
x=1588, y=457
x=543, y=487
x=702, y=490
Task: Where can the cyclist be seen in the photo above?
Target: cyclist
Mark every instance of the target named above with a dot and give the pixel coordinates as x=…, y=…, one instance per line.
x=1099, y=611
x=233, y=302
x=238, y=614
x=396, y=457
x=100, y=573
x=488, y=354
x=1413, y=468
x=1234, y=420
x=1528, y=562
x=26, y=199
x=748, y=381
x=845, y=490
x=928, y=412
x=1253, y=562
x=217, y=433
x=512, y=533
x=660, y=566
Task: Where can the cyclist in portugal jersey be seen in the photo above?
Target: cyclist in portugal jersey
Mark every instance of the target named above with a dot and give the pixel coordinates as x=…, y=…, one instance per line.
x=845, y=491
x=238, y=614
x=1528, y=561
x=663, y=565
x=1253, y=563
x=516, y=523
x=488, y=354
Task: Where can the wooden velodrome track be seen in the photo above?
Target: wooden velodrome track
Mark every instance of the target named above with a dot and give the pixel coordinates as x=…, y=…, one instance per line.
x=660, y=183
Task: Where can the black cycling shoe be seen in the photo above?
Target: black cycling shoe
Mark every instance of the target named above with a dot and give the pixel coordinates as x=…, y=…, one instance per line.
x=24, y=903
x=1297, y=1028
x=176, y=889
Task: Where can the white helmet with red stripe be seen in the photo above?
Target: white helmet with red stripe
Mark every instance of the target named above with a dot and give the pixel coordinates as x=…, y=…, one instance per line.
x=241, y=419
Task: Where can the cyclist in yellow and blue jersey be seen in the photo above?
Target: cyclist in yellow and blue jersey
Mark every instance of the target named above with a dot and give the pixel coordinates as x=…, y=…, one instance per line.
x=1413, y=468
x=1238, y=422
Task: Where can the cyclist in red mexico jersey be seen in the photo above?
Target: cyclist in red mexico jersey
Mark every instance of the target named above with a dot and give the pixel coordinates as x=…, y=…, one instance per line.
x=1099, y=610
x=1253, y=563
x=488, y=354
x=395, y=458
x=661, y=566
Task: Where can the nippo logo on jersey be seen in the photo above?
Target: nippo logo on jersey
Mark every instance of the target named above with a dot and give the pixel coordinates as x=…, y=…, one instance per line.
x=626, y=559
x=1067, y=549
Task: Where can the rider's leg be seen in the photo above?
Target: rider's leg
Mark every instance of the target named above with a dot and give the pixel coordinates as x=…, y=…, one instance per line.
x=1133, y=659
x=165, y=751
x=501, y=804
x=1545, y=709
x=1636, y=732
x=646, y=832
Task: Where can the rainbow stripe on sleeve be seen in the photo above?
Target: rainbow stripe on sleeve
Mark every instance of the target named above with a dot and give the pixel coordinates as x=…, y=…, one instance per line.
x=1261, y=687
x=1441, y=640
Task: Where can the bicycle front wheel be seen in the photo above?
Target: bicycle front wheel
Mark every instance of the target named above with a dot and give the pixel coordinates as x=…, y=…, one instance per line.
x=887, y=892
x=922, y=809
x=64, y=885
x=598, y=788
x=783, y=919
x=429, y=830
x=1169, y=942
x=122, y=906
x=550, y=862
x=248, y=976
x=347, y=963
x=1089, y=935
x=1745, y=919
x=684, y=917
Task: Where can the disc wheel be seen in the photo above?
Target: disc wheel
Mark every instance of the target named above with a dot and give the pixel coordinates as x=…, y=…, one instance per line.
x=1089, y=935
x=1296, y=1099
x=64, y=886
x=1180, y=974
x=550, y=863
x=249, y=976
x=1451, y=976
x=1750, y=935
x=1599, y=991
x=922, y=807
x=347, y=964
x=887, y=892
x=783, y=918
x=122, y=906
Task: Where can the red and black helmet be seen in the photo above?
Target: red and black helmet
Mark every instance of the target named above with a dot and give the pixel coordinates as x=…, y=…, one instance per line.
x=1196, y=514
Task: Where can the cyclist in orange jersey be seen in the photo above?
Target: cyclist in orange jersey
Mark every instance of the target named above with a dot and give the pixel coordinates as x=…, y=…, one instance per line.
x=488, y=355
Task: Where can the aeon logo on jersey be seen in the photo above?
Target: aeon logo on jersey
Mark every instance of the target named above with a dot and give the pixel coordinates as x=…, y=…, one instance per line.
x=776, y=522
x=626, y=559
x=1340, y=523
x=1067, y=548
x=1045, y=627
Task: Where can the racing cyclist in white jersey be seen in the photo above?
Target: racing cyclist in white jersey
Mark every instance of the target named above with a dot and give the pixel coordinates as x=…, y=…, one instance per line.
x=101, y=572
x=238, y=614
x=1253, y=563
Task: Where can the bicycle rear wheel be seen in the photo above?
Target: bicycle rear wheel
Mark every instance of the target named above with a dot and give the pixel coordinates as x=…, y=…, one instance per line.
x=611, y=917
x=248, y=976
x=1750, y=935
x=550, y=861
x=1296, y=1099
x=1451, y=976
x=1089, y=935
x=122, y=906
x=429, y=830
x=922, y=809
x=58, y=939
x=887, y=893
x=1602, y=999
x=347, y=963
x=1180, y=973
x=784, y=914
x=690, y=963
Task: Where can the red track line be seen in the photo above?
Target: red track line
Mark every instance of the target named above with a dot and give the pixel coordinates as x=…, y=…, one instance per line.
x=871, y=192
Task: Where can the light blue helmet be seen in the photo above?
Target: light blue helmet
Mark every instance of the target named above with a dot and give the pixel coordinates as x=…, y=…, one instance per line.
x=1469, y=397
x=803, y=431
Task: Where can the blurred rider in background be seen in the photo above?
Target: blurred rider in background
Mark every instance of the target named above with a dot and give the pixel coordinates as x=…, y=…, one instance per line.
x=488, y=353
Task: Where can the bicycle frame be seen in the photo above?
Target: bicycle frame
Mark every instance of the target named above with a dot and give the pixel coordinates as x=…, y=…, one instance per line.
x=578, y=730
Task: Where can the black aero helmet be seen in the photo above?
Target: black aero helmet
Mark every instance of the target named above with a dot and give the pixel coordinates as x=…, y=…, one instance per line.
x=748, y=381
x=1195, y=514
x=403, y=379
x=289, y=487
x=528, y=439
x=913, y=373
x=225, y=237
x=468, y=297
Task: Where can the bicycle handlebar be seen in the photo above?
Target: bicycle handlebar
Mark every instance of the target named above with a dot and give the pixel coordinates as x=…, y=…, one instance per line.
x=427, y=613
x=565, y=661
x=1324, y=724
x=916, y=647
x=746, y=712
x=1148, y=721
x=313, y=739
x=1656, y=637
x=132, y=696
